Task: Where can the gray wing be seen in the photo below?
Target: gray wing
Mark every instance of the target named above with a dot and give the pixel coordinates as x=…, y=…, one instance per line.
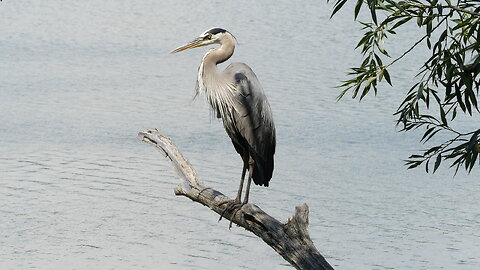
x=254, y=129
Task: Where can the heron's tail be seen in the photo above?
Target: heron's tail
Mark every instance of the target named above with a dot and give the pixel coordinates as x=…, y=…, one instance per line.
x=263, y=170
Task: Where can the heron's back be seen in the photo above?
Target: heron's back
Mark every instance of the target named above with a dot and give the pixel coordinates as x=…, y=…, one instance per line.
x=251, y=128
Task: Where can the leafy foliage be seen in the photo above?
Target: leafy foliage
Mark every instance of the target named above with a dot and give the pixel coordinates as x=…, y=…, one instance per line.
x=449, y=79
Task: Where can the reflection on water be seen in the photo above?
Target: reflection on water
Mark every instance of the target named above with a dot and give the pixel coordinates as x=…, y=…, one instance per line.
x=79, y=191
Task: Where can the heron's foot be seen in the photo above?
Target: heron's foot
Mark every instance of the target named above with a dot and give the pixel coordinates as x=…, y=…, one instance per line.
x=237, y=208
x=232, y=206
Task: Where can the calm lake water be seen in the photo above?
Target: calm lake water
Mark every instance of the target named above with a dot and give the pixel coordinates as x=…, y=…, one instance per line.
x=80, y=79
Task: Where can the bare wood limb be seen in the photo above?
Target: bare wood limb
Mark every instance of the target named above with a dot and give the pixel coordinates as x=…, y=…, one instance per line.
x=291, y=239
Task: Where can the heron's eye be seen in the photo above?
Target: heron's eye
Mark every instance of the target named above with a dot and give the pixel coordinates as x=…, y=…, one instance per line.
x=208, y=36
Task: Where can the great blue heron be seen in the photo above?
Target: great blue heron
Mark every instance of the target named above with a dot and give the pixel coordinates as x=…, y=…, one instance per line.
x=236, y=96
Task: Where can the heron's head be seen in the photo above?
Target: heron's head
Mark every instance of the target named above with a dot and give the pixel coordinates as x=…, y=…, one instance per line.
x=211, y=36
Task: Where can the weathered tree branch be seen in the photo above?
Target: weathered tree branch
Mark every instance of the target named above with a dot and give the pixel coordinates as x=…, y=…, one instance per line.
x=291, y=240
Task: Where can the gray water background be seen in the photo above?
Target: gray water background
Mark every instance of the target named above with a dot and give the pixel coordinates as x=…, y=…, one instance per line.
x=79, y=79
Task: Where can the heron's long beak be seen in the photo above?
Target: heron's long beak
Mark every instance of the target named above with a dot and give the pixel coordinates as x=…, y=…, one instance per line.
x=196, y=43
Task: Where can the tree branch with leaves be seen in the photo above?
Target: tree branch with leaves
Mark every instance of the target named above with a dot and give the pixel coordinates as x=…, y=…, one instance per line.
x=447, y=82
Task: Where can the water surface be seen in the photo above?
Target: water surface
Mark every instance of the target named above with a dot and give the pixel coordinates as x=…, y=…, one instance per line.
x=79, y=79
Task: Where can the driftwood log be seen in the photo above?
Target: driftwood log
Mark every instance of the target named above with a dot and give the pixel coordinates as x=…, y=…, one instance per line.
x=291, y=239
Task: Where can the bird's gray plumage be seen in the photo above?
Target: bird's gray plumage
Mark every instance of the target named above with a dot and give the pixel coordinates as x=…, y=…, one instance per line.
x=253, y=128
x=236, y=96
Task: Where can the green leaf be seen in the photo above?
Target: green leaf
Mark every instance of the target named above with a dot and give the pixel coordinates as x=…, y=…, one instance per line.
x=459, y=98
x=358, y=6
x=442, y=116
x=427, y=132
x=383, y=51
x=414, y=165
x=431, y=135
x=454, y=114
x=366, y=39
x=419, y=20
x=442, y=36
x=387, y=76
x=440, y=9
x=431, y=150
x=342, y=94
x=437, y=162
x=401, y=22
x=379, y=60
x=474, y=158
x=429, y=28
x=373, y=10
x=380, y=75
x=397, y=5
x=369, y=81
x=338, y=5
x=420, y=91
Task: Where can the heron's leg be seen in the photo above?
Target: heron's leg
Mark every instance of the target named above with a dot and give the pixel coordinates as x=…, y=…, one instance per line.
x=233, y=204
x=251, y=164
x=239, y=194
x=238, y=205
x=240, y=188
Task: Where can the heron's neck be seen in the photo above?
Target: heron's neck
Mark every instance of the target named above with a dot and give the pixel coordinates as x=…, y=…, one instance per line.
x=220, y=55
x=217, y=87
x=209, y=80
